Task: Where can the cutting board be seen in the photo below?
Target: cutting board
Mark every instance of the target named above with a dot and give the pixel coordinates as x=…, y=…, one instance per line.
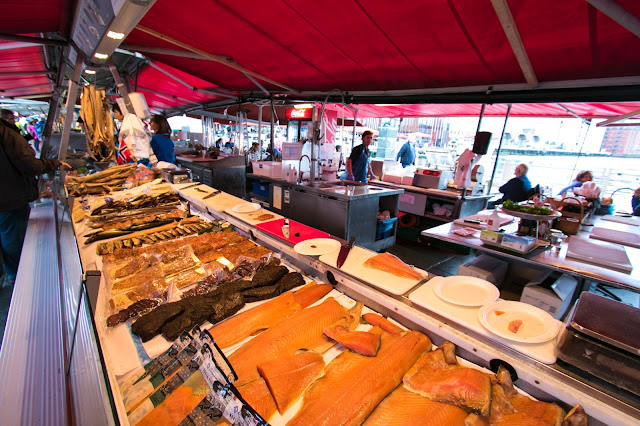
x=222, y=202
x=600, y=253
x=627, y=220
x=274, y=227
x=425, y=297
x=385, y=281
x=252, y=218
x=614, y=236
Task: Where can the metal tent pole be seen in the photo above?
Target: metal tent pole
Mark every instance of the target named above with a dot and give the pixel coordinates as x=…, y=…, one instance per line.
x=260, y=127
x=355, y=123
x=54, y=104
x=273, y=123
x=495, y=165
x=72, y=95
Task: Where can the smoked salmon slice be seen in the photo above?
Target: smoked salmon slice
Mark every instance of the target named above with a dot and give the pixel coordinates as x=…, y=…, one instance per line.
x=303, y=330
x=257, y=395
x=389, y=263
x=403, y=407
x=287, y=378
x=361, y=342
x=439, y=377
x=383, y=323
x=267, y=314
x=353, y=385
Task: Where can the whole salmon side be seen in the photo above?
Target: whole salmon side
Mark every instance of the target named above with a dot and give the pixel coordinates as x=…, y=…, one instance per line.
x=303, y=330
x=265, y=315
x=353, y=385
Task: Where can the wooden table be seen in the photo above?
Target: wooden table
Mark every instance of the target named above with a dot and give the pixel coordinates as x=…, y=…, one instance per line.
x=546, y=258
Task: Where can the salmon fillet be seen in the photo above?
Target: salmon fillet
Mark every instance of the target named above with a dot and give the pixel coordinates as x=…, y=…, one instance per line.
x=361, y=342
x=257, y=395
x=302, y=330
x=389, y=263
x=353, y=385
x=403, y=407
x=254, y=320
x=287, y=378
x=438, y=377
x=383, y=323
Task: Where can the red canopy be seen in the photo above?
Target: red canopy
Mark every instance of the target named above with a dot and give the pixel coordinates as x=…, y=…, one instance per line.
x=362, y=47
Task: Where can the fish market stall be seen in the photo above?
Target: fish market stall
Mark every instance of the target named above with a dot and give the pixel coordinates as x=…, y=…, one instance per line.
x=216, y=252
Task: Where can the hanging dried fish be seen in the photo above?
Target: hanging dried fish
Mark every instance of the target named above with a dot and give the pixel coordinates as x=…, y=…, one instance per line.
x=98, y=123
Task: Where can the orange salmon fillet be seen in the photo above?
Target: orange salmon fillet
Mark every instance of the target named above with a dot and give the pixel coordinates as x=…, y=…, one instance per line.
x=389, y=263
x=263, y=316
x=302, y=330
x=287, y=378
x=438, y=376
x=403, y=407
x=259, y=398
x=353, y=384
x=383, y=323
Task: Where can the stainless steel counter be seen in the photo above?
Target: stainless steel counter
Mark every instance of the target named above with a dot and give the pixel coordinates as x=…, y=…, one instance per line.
x=343, y=209
x=342, y=190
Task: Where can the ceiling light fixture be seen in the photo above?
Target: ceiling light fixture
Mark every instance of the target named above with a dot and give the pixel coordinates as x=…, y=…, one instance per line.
x=91, y=72
x=101, y=55
x=115, y=35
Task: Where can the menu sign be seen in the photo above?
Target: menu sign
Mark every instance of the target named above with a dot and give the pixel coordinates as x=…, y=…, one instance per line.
x=92, y=22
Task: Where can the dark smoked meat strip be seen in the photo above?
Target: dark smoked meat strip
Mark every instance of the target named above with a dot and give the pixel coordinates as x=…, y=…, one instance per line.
x=269, y=275
x=286, y=283
x=150, y=324
x=138, y=308
x=176, y=317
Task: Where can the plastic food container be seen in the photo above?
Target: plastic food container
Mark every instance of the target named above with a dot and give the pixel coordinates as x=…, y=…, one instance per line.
x=601, y=338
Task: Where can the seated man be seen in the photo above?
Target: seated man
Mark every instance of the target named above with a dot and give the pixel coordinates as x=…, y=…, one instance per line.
x=635, y=202
x=517, y=188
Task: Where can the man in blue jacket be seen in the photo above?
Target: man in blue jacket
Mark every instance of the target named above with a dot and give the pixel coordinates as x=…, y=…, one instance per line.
x=517, y=188
x=407, y=154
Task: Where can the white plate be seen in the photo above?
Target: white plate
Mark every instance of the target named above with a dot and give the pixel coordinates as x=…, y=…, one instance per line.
x=537, y=325
x=466, y=291
x=246, y=207
x=317, y=246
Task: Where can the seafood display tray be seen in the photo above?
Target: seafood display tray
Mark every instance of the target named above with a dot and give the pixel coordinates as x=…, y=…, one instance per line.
x=385, y=281
x=467, y=316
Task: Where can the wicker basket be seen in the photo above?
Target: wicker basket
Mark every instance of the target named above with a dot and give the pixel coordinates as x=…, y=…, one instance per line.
x=570, y=222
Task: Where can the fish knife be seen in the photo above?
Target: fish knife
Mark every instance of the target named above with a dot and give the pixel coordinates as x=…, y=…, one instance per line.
x=190, y=186
x=216, y=192
x=344, y=251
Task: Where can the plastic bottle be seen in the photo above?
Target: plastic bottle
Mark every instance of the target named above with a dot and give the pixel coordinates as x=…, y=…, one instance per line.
x=493, y=222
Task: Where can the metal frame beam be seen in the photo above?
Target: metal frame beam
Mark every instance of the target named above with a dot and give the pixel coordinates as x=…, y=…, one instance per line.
x=616, y=12
x=153, y=65
x=72, y=96
x=619, y=118
x=32, y=40
x=217, y=58
x=511, y=31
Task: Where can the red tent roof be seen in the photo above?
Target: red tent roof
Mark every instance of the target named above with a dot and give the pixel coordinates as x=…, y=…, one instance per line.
x=365, y=47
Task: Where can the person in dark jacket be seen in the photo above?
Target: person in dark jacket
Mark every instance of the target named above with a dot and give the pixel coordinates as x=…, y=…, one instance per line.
x=515, y=189
x=161, y=142
x=18, y=170
x=407, y=154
